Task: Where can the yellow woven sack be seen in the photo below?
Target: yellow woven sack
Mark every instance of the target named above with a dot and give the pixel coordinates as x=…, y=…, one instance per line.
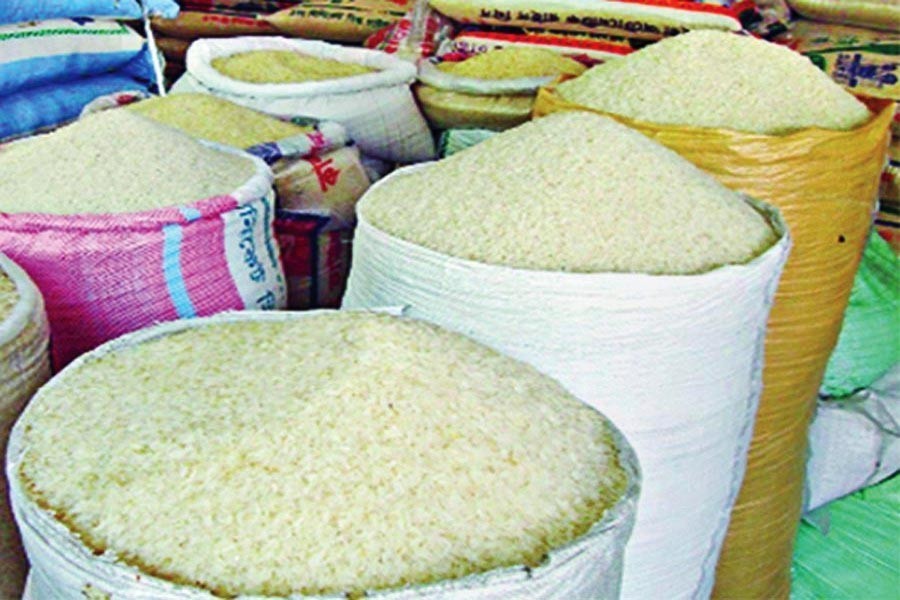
x=879, y=14
x=825, y=183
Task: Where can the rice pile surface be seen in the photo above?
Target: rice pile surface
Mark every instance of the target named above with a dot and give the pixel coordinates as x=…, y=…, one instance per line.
x=8, y=296
x=284, y=66
x=114, y=162
x=718, y=79
x=574, y=192
x=211, y=118
x=339, y=452
x=513, y=62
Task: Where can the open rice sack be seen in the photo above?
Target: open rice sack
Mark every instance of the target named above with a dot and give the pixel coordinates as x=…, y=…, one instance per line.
x=366, y=91
x=160, y=227
x=425, y=466
x=512, y=243
x=319, y=177
x=494, y=90
x=645, y=19
x=811, y=149
x=875, y=14
x=24, y=367
x=869, y=343
x=854, y=441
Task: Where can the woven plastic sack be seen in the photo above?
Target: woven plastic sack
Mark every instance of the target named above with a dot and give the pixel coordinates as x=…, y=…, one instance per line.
x=455, y=102
x=63, y=568
x=24, y=367
x=106, y=275
x=825, y=183
x=33, y=110
x=869, y=342
x=673, y=361
x=876, y=14
x=378, y=109
x=855, y=555
x=588, y=48
x=191, y=25
x=649, y=19
x=347, y=21
x=35, y=54
x=20, y=11
x=854, y=441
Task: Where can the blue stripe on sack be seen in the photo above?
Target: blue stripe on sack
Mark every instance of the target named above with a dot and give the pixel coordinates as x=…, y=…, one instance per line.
x=190, y=214
x=28, y=73
x=172, y=236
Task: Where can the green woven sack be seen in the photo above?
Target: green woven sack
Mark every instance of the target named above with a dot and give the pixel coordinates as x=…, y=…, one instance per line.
x=858, y=555
x=869, y=343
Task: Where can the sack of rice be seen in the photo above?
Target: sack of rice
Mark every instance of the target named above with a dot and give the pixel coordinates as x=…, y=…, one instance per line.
x=370, y=94
x=861, y=60
x=869, y=343
x=764, y=121
x=556, y=243
x=876, y=14
x=191, y=25
x=647, y=19
x=494, y=90
x=417, y=35
x=588, y=48
x=21, y=11
x=24, y=367
x=378, y=457
x=347, y=21
x=319, y=177
x=50, y=70
x=854, y=442
x=134, y=223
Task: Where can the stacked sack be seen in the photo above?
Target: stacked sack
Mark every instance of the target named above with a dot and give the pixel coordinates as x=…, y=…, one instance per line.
x=592, y=32
x=24, y=367
x=764, y=121
x=319, y=176
x=366, y=91
x=55, y=57
x=134, y=223
x=618, y=268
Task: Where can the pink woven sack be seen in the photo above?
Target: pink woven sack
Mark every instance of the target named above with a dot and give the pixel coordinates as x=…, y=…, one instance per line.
x=106, y=275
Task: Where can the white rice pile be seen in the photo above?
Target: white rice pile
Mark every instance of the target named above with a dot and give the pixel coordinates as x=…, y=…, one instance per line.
x=718, y=79
x=284, y=66
x=114, y=162
x=336, y=453
x=572, y=192
x=513, y=62
x=9, y=297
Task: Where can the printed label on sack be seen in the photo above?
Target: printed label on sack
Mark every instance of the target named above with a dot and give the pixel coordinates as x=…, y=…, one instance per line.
x=252, y=255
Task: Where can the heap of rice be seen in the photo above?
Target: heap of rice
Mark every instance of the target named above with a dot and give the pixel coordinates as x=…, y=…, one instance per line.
x=212, y=118
x=114, y=162
x=513, y=62
x=335, y=453
x=718, y=79
x=571, y=192
x=8, y=296
x=284, y=66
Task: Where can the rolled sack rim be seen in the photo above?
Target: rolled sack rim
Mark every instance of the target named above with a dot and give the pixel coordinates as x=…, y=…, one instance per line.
x=28, y=307
x=430, y=75
x=258, y=186
x=580, y=283
x=77, y=557
x=391, y=71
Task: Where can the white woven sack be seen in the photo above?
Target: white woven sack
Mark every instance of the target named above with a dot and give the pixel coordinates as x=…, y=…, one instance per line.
x=673, y=361
x=378, y=109
x=854, y=442
x=63, y=568
x=24, y=367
